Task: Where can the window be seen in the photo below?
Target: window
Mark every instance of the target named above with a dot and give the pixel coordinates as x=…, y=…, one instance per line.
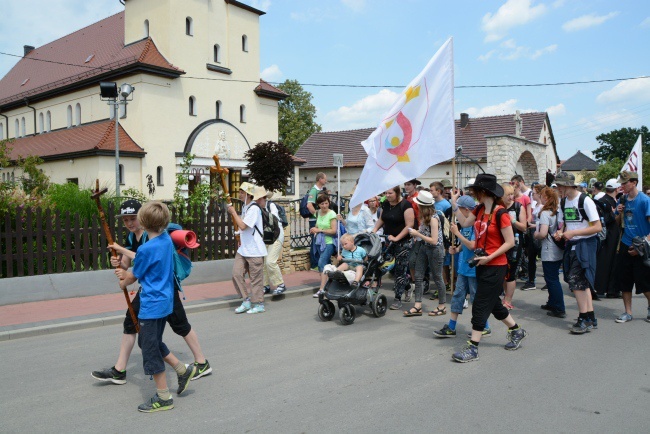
x=72, y=181
x=48, y=121
x=41, y=123
x=22, y=126
x=242, y=114
x=121, y=174
x=146, y=28
x=2, y=131
x=218, y=104
x=77, y=114
x=159, y=176
x=189, y=26
x=244, y=43
x=217, y=53
x=17, y=125
x=192, y=106
x=69, y=111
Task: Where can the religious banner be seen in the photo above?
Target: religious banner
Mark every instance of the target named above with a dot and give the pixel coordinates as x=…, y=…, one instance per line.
x=635, y=161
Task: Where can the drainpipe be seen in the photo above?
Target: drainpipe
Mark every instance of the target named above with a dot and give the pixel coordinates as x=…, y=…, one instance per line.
x=33, y=108
x=7, y=125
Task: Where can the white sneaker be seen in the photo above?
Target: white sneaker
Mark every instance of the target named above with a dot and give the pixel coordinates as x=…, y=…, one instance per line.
x=245, y=307
x=318, y=293
x=465, y=304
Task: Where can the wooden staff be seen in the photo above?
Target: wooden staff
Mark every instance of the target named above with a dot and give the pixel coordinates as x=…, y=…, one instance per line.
x=452, y=222
x=222, y=172
x=102, y=217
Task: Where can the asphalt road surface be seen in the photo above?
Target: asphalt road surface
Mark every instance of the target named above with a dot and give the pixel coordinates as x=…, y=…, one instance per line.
x=285, y=371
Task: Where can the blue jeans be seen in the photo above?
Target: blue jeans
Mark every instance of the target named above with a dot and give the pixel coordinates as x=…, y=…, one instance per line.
x=463, y=284
x=324, y=257
x=552, y=278
x=313, y=260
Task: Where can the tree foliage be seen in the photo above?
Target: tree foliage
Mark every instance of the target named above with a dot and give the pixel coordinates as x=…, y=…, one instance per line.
x=201, y=194
x=271, y=165
x=296, y=116
x=619, y=143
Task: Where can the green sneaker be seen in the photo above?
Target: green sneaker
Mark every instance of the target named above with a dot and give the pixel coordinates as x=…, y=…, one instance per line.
x=257, y=308
x=184, y=380
x=202, y=370
x=487, y=332
x=110, y=375
x=156, y=404
x=244, y=307
x=445, y=332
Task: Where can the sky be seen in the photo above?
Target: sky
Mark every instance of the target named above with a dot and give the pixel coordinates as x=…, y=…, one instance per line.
x=386, y=43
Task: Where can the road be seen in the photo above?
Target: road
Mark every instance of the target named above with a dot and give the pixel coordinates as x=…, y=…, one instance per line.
x=285, y=371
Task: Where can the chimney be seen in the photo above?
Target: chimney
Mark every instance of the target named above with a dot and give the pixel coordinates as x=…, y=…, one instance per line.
x=464, y=120
x=28, y=49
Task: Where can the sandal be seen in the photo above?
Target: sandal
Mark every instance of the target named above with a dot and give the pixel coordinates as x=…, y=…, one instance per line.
x=438, y=312
x=414, y=311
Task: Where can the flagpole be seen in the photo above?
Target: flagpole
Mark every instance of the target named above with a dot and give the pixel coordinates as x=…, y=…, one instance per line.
x=453, y=222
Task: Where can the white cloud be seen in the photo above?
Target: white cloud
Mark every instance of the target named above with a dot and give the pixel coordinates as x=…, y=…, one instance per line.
x=556, y=110
x=364, y=113
x=558, y=4
x=355, y=5
x=511, y=14
x=638, y=89
x=549, y=49
x=485, y=57
x=586, y=21
x=504, y=108
x=645, y=23
x=262, y=5
x=272, y=73
x=509, y=50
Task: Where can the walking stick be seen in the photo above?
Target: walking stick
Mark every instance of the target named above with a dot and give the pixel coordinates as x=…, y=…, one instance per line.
x=452, y=222
x=102, y=217
x=222, y=172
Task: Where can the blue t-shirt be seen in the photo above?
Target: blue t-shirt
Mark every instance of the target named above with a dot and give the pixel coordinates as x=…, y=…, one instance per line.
x=443, y=206
x=636, y=215
x=358, y=255
x=466, y=254
x=154, y=268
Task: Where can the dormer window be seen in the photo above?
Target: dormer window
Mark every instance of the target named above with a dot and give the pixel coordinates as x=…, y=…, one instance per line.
x=189, y=26
x=244, y=43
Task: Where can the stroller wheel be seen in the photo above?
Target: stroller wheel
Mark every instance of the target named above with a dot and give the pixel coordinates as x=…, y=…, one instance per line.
x=326, y=310
x=347, y=314
x=379, y=305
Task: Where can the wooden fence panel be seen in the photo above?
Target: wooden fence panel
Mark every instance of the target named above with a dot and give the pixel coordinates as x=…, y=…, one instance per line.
x=49, y=234
x=19, y=242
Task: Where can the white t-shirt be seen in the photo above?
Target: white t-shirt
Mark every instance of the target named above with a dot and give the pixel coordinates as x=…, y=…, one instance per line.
x=599, y=195
x=572, y=216
x=529, y=193
x=252, y=243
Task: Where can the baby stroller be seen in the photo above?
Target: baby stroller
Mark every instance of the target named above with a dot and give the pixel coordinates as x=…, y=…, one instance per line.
x=347, y=296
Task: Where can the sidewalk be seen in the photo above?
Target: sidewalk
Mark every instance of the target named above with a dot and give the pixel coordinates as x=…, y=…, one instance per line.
x=53, y=316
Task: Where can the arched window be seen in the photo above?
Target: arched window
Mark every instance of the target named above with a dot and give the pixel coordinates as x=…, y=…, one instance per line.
x=41, y=123
x=121, y=174
x=217, y=53
x=218, y=104
x=192, y=105
x=244, y=43
x=69, y=111
x=159, y=176
x=242, y=114
x=146, y=28
x=77, y=114
x=22, y=127
x=48, y=121
x=189, y=26
x=17, y=125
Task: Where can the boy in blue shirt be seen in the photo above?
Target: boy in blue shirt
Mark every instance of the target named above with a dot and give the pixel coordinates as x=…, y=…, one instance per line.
x=154, y=269
x=351, y=252
x=466, y=275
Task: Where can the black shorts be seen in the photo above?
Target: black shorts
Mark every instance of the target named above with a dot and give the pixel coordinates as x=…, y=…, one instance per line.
x=632, y=272
x=177, y=319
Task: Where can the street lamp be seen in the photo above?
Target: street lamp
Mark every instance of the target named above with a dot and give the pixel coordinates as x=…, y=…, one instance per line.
x=109, y=92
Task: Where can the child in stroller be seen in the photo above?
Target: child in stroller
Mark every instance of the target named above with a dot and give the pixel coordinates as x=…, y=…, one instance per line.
x=349, y=288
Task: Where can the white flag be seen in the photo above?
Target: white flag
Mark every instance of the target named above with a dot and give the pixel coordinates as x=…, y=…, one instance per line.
x=416, y=133
x=635, y=162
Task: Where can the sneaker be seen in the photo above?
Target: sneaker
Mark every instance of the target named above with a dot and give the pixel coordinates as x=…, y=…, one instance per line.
x=184, y=380
x=202, y=370
x=397, y=304
x=528, y=286
x=314, y=269
x=317, y=293
x=266, y=289
x=468, y=354
x=546, y=307
x=580, y=327
x=556, y=313
x=280, y=289
x=625, y=317
x=434, y=296
x=544, y=288
x=257, y=308
x=487, y=332
x=156, y=404
x=515, y=337
x=465, y=304
x=112, y=375
x=445, y=332
x=245, y=306
x=592, y=324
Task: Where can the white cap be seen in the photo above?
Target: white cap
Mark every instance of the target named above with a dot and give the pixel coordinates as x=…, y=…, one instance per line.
x=612, y=184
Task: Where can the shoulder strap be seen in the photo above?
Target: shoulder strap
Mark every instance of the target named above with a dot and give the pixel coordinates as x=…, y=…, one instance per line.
x=581, y=206
x=501, y=211
x=562, y=204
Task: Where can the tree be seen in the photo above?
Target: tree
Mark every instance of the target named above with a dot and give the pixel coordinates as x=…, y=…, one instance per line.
x=296, y=116
x=619, y=143
x=271, y=165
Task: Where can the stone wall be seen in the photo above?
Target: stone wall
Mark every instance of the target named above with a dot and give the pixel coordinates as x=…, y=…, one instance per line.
x=506, y=153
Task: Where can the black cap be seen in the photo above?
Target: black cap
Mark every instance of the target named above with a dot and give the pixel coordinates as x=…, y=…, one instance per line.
x=128, y=208
x=599, y=185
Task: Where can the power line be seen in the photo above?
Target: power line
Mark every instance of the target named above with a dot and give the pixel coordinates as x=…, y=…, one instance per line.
x=477, y=86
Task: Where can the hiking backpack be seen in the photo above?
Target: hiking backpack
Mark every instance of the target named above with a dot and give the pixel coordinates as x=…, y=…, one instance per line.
x=270, y=226
x=581, y=208
x=446, y=232
x=304, y=211
x=281, y=213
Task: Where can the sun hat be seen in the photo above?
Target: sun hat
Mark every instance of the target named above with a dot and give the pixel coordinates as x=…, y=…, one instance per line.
x=424, y=198
x=466, y=202
x=487, y=182
x=565, y=179
x=248, y=188
x=627, y=176
x=129, y=207
x=446, y=183
x=414, y=181
x=259, y=192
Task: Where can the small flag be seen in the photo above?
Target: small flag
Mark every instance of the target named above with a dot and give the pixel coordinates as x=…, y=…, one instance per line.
x=635, y=162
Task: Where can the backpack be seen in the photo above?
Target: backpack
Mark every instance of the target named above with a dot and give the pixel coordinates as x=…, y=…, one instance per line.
x=270, y=226
x=605, y=211
x=304, y=211
x=500, y=212
x=282, y=214
x=581, y=208
x=444, y=226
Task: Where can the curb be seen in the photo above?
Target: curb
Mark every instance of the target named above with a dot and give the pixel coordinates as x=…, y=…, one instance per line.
x=118, y=319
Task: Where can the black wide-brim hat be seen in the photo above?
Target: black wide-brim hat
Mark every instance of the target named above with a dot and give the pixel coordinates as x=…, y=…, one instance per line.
x=487, y=182
x=414, y=181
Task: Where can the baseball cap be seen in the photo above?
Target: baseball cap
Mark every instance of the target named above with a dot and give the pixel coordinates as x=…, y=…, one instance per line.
x=598, y=185
x=466, y=202
x=612, y=184
x=627, y=176
x=129, y=208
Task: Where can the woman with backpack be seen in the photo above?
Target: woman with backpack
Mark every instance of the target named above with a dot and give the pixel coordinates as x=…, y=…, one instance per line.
x=494, y=237
x=519, y=225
